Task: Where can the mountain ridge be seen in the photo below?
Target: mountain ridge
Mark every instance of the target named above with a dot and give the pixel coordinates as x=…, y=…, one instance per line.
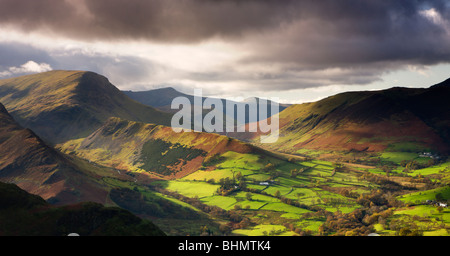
x=162, y=98
x=370, y=121
x=26, y=160
x=50, y=103
x=156, y=149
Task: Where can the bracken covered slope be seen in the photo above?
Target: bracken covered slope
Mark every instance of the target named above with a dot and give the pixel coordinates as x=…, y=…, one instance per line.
x=370, y=121
x=154, y=149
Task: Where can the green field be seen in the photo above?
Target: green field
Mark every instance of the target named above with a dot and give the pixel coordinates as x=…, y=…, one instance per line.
x=422, y=196
x=274, y=196
x=264, y=230
x=285, y=197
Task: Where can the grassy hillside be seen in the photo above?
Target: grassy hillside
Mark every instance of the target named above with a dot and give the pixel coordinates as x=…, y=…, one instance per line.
x=396, y=119
x=152, y=149
x=24, y=214
x=62, y=105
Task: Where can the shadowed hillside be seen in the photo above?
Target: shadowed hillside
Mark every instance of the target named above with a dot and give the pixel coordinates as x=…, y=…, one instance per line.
x=39, y=169
x=23, y=214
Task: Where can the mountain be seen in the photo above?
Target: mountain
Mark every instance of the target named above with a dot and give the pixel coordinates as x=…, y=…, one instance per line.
x=34, y=166
x=150, y=148
x=396, y=119
x=162, y=99
x=62, y=105
x=159, y=98
x=24, y=214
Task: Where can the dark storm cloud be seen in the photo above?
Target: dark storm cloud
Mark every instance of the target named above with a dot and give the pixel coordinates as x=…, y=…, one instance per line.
x=190, y=20
x=362, y=39
x=330, y=30
x=177, y=20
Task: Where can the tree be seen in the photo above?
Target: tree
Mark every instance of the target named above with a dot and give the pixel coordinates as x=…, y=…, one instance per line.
x=225, y=229
x=277, y=193
x=299, y=195
x=269, y=167
x=294, y=173
x=242, y=184
x=239, y=176
x=248, y=196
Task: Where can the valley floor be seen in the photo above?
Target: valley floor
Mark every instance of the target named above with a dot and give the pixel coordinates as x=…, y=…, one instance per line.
x=252, y=195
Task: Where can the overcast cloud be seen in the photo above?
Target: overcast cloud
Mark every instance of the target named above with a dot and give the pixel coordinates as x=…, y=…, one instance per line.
x=245, y=45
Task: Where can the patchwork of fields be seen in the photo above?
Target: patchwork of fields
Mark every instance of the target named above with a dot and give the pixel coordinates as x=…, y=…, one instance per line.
x=279, y=197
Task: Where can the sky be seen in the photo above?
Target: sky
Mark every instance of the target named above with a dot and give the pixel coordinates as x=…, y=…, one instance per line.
x=295, y=50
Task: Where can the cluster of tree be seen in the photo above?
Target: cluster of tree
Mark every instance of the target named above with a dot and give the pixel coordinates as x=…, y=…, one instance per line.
x=405, y=228
x=229, y=185
x=214, y=160
x=378, y=198
x=271, y=169
x=338, y=166
x=414, y=165
x=349, y=224
x=346, y=192
x=298, y=230
x=385, y=183
x=377, y=207
x=295, y=172
x=227, y=228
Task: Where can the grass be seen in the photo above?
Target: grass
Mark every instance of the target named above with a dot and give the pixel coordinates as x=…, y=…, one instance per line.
x=310, y=224
x=224, y=202
x=436, y=169
x=398, y=157
x=422, y=196
x=405, y=147
x=190, y=188
x=261, y=230
x=281, y=207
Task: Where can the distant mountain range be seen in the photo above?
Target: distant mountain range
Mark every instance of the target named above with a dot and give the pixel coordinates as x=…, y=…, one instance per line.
x=162, y=100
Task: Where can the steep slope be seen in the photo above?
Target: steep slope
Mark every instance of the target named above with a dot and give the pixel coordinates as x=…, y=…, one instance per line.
x=62, y=105
x=23, y=214
x=39, y=169
x=152, y=149
x=397, y=118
